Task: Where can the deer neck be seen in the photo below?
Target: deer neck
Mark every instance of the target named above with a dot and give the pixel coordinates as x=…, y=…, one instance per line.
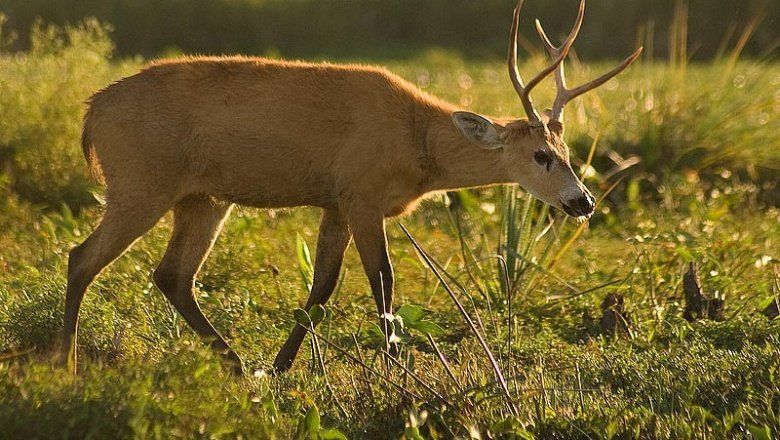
x=457, y=162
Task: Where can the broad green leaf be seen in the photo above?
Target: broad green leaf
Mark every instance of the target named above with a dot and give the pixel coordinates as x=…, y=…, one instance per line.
x=413, y=433
x=312, y=423
x=317, y=313
x=511, y=425
x=759, y=432
x=305, y=267
x=301, y=317
x=766, y=302
x=331, y=434
x=429, y=328
x=411, y=313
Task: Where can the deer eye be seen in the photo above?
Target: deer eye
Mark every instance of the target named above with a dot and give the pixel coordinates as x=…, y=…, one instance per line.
x=543, y=158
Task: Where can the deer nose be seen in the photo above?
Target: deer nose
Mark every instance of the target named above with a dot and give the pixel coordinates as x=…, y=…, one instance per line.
x=580, y=206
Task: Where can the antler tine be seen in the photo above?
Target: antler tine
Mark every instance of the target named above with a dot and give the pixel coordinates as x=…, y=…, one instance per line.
x=514, y=75
x=560, y=53
x=551, y=49
x=524, y=91
x=577, y=91
x=560, y=76
x=564, y=95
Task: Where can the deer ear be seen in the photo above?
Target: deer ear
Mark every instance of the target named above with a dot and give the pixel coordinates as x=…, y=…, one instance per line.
x=478, y=129
x=546, y=115
x=553, y=125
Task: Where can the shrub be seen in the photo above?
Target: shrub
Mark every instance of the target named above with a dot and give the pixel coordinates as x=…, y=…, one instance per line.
x=42, y=94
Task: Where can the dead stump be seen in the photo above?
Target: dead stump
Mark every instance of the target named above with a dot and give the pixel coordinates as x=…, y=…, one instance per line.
x=772, y=310
x=697, y=304
x=613, y=316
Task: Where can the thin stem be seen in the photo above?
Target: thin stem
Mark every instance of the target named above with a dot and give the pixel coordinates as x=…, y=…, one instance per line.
x=491, y=358
x=444, y=362
x=349, y=356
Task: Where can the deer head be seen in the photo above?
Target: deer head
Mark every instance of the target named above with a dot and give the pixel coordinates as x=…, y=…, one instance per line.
x=533, y=151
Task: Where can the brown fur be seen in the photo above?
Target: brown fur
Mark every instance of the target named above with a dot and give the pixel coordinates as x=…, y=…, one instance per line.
x=197, y=135
x=273, y=134
x=89, y=154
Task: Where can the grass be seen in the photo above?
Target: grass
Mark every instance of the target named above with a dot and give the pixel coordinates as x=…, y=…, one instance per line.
x=702, y=193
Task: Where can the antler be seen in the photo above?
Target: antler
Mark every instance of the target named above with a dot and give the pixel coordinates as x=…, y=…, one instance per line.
x=564, y=94
x=514, y=75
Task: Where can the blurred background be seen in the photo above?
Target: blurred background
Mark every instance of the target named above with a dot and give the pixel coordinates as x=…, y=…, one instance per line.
x=702, y=102
x=682, y=150
x=381, y=28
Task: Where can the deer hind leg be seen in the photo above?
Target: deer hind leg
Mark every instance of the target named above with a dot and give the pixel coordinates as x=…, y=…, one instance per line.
x=123, y=223
x=197, y=220
x=334, y=237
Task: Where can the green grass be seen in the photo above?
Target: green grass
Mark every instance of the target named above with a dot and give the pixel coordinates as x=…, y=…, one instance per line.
x=702, y=193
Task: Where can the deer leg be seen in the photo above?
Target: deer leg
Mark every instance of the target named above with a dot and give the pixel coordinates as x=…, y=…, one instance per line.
x=333, y=240
x=197, y=220
x=120, y=227
x=371, y=243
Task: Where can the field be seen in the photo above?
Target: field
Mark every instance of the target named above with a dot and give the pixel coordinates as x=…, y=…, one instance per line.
x=586, y=322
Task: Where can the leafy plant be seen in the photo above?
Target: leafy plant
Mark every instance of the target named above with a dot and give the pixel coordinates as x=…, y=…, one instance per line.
x=309, y=428
x=419, y=319
x=305, y=265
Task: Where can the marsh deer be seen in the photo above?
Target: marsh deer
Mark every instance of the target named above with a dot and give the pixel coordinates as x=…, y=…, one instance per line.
x=197, y=135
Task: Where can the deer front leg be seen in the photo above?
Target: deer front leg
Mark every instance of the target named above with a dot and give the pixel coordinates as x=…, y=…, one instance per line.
x=371, y=242
x=333, y=240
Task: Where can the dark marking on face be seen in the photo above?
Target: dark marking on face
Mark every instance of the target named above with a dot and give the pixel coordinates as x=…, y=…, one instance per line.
x=543, y=158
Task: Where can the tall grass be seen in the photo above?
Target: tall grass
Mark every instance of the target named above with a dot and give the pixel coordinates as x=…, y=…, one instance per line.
x=42, y=94
x=529, y=362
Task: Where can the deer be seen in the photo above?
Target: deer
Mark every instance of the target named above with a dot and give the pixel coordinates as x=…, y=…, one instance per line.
x=198, y=135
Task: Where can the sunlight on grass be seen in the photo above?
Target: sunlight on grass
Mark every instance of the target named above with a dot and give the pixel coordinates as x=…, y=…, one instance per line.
x=507, y=341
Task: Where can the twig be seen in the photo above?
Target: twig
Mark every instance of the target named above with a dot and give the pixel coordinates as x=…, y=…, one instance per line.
x=491, y=358
x=346, y=354
x=547, y=272
x=579, y=385
x=524, y=390
x=444, y=362
x=509, y=296
x=14, y=355
x=321, y=359
x=365, y=372
x=456, y=219
x=417, y=378
x=541, y=383
x=591, y=289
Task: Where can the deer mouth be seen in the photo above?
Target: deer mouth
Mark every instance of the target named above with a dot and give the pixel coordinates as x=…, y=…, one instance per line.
x=580, y=207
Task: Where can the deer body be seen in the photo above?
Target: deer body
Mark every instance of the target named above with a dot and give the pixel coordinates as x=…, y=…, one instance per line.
x=281, y=134
x=198, y=135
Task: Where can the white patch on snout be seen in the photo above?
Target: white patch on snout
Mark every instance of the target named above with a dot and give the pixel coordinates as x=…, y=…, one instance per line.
x=583, y=218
